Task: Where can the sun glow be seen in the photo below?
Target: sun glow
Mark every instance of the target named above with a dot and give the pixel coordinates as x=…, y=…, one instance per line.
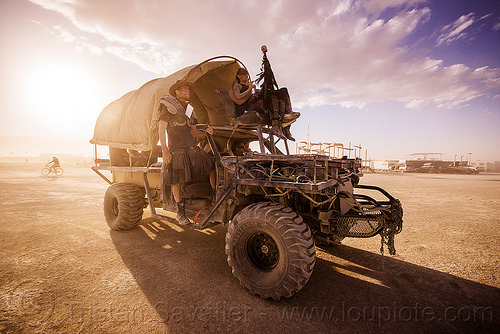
x=63, y=96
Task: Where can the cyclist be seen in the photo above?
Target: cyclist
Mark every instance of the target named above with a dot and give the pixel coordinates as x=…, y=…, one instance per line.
x=53, y=164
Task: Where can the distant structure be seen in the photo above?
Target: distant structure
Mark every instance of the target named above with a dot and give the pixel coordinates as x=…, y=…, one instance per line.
x=335, y=150
x=427, y=162
x=434, y=163
x=426, y=156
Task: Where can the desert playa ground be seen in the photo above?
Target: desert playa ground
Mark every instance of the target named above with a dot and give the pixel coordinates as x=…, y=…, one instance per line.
x=63, y=271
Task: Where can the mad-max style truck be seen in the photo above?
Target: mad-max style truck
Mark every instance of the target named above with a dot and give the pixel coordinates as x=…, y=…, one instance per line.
x=277, y=206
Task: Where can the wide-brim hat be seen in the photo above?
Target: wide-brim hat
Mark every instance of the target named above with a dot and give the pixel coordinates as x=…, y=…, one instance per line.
x=178, y=84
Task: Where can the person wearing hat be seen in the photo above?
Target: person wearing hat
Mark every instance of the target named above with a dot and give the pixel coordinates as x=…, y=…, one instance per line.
x=187, y=161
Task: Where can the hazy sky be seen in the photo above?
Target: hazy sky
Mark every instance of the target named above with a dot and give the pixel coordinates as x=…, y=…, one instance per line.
x=396, y=76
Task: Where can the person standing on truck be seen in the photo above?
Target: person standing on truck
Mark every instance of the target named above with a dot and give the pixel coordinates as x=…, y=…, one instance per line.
x=187, y=161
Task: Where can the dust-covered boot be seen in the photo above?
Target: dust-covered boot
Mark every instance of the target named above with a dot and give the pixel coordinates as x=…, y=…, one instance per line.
x=282, y=108
x=181, y=214
x=291, y=116
x=287, y=133
x=275, y=105
x=286, y=123
x=276, y=126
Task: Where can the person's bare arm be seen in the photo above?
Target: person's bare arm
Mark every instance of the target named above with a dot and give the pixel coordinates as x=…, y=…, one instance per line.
x=241, y=97
x=162, y=128
x=198, y=133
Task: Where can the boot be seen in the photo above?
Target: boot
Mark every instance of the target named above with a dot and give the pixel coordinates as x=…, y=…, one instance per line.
x=288, y=123
x=287, y=133
x=276, y=126
x=282, y=108
x=288, y=104
x=181, y=214
x=275, y=103
x=292, y=115
x=289, y=114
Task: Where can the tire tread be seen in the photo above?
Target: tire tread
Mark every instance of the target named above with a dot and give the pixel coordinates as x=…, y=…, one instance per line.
x=297, y=237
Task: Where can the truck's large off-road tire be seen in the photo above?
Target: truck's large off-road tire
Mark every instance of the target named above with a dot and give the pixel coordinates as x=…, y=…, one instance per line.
x=270, y=250
x=123, y=205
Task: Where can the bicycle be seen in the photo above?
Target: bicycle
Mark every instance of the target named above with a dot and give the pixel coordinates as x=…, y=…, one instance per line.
x=56, y=170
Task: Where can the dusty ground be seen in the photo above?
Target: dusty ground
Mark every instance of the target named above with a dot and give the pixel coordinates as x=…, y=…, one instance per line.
x=63, y=270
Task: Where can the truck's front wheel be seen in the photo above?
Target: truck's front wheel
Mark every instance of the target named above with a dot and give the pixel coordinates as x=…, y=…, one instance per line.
x=123, y=205
x=270, y=250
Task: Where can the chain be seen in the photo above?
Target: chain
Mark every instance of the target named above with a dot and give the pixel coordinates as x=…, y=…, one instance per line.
x=393, y=224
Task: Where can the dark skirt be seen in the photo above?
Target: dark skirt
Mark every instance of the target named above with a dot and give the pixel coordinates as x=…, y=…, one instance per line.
x=188, y=164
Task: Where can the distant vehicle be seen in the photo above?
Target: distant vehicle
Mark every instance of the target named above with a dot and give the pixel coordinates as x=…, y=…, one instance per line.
x=427, y=168
x=460, y=167
x=400, y=167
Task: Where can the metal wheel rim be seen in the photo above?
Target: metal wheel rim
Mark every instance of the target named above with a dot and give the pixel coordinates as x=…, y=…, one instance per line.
x=262, y=251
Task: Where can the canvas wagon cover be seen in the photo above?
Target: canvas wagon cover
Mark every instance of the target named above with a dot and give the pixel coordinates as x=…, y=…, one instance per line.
x=131, y=122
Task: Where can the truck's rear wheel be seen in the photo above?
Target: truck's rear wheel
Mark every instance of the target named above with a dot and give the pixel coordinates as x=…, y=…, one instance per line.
x=123, y=205
x=270, y=250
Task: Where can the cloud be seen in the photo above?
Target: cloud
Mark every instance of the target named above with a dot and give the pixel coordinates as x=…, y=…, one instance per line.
x=147, y=57
x=80, y=42
x=326, y=52
x=455, y=30
x=377, y=6
x=63, y=34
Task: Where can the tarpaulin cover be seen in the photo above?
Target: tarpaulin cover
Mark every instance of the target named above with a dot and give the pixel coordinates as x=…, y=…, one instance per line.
x=131, y=122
